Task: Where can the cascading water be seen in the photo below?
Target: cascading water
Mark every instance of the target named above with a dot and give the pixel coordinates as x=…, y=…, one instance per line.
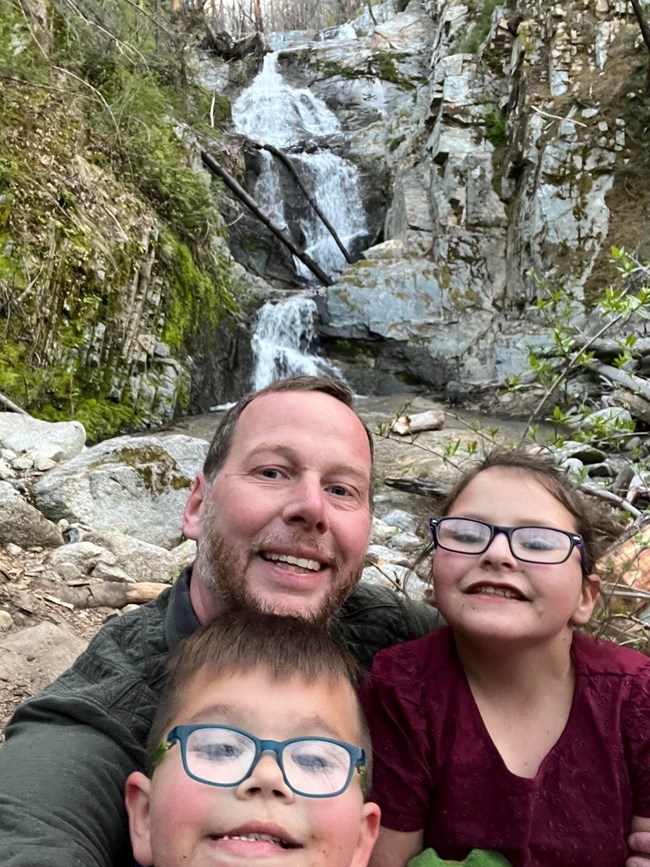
x=270, y=111
x=282, y=339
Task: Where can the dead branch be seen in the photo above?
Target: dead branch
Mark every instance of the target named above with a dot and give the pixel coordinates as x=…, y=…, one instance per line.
x=110, y=594
x=252, y=205
x=284, y=159
x=609, y=497
x=635, y=384
x=10, y=406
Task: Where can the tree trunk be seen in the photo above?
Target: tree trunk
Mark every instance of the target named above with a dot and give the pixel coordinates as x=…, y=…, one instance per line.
x=284, y=159
x=250, y=203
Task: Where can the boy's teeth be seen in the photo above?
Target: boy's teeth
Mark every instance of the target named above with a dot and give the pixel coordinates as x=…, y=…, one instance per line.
x=498, y=591
x=301, y=562
x=264, y=837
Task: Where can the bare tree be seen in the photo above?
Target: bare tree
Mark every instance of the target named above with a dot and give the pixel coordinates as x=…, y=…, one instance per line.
x=645, y=32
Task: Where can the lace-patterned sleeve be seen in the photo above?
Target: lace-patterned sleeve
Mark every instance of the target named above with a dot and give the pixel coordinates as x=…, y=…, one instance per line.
x=402, y=749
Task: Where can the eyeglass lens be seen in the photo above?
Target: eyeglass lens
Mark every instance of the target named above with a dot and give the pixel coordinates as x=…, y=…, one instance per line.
x=226, y=757
x=534, y=544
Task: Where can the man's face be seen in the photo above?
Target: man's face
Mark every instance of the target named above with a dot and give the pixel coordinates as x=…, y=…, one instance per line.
x=285, y=524
x=179, y=822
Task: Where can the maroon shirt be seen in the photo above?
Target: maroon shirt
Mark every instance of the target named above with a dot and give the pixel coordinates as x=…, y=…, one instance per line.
x=437, y=769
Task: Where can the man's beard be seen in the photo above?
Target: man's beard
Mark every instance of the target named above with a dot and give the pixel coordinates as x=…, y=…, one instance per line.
x=217, y=564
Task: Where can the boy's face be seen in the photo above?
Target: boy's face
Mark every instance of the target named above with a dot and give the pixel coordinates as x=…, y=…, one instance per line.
x=178, y=822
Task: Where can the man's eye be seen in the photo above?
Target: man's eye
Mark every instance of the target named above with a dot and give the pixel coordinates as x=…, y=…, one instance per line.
x=340, y=490
x=270, y=473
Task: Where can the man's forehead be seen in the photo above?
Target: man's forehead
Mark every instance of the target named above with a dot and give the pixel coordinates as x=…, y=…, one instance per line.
x=299, y=410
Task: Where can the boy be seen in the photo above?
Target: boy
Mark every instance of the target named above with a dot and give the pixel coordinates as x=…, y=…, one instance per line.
x=219, y=791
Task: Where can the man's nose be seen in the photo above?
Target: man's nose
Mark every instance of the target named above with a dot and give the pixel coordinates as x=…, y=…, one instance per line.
x=266, y=778
x=306, y=505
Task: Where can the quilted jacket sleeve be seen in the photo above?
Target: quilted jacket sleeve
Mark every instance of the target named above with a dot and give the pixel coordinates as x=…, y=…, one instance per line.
x=69, y=750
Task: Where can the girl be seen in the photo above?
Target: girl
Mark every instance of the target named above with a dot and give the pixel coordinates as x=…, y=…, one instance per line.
x=509, y=730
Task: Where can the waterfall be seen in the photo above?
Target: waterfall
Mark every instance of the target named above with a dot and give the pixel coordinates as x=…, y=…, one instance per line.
x=270, y=111
x=281, y=341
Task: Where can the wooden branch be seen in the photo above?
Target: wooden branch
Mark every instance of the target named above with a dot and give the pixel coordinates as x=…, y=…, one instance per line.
x=416, y=486
x=110, y=594
x=643, y=22
x=252, y=205
x=635, y=384
x=10, y=406
x=609, y=497
x=284, y=159
x=635, y=404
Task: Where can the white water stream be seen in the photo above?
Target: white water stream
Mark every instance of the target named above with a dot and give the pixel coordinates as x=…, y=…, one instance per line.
x=270, y=111
x=282, y=341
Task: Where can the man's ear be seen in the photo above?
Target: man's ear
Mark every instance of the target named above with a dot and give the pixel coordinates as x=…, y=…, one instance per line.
x=589, y=595
x=136, y=797
x=368, y=831
x=192, y=520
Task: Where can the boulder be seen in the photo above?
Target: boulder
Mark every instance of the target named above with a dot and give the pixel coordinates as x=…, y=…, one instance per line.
x=58, y=441
x=132, y=485
x=22, y=524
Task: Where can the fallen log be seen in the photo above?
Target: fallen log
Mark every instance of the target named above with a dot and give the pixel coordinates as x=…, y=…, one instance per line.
x=284, y=159
x=634, y=383
x=252, y=205
x=432, y=419
x=635, y=404
x=10, y=406
x=416, y=486
x=110, y=594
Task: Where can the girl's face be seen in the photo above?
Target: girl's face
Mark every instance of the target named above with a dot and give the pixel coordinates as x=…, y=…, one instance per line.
x=495, y=596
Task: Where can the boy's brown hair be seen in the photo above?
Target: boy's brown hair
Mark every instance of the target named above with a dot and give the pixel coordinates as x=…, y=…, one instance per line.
x=240, y=641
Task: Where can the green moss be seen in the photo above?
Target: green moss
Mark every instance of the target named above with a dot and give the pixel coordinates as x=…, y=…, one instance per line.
x=495, y=128
x=480, y=29
x=156, y=467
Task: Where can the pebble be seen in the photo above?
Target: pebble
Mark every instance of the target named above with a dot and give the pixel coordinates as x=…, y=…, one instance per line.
x=6, y=621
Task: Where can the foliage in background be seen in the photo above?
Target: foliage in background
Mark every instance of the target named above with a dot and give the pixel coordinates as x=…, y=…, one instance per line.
x=95, y=119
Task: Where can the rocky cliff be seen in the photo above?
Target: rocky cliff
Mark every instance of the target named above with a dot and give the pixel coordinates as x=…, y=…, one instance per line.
x=501, y=150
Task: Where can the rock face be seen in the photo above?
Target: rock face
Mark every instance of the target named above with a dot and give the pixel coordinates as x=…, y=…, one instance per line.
x=490, y=149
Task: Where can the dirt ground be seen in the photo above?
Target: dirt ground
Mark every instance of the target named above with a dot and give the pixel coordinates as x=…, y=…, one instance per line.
x=28, y=593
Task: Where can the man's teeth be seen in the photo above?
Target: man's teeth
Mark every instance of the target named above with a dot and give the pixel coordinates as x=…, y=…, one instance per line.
x=300, y=562
x=497, y=591
x=266, y=838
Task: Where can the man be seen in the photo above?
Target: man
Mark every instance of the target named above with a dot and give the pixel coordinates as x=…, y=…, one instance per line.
x=281, y=514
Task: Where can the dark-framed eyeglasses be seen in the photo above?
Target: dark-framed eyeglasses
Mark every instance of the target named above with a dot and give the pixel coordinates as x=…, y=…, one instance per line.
x=531, y=544
x=220, y=755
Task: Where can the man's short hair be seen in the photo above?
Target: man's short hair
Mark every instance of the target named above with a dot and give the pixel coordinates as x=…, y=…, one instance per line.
x=242, y=641
x=223, y=438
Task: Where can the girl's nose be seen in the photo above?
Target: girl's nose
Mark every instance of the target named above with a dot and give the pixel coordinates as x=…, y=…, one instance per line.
x=499, y=549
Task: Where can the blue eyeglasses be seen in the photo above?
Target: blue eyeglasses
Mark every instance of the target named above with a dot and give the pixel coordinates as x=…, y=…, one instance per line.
x=225, y=756
x=529, y=544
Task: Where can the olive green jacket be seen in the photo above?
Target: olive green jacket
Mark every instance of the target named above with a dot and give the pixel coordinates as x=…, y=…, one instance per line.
x=69, y=750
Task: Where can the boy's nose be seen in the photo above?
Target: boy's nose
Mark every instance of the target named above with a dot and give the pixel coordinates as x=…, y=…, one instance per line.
x=266, y=779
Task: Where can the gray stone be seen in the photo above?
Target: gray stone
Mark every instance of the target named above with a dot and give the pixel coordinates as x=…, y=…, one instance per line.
x=400, y=518
x=6, y=621
x=408, y=543
x=32, y=658
x=20, y=433
x=133, y=485
x=141, y=561
x=22, y=524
